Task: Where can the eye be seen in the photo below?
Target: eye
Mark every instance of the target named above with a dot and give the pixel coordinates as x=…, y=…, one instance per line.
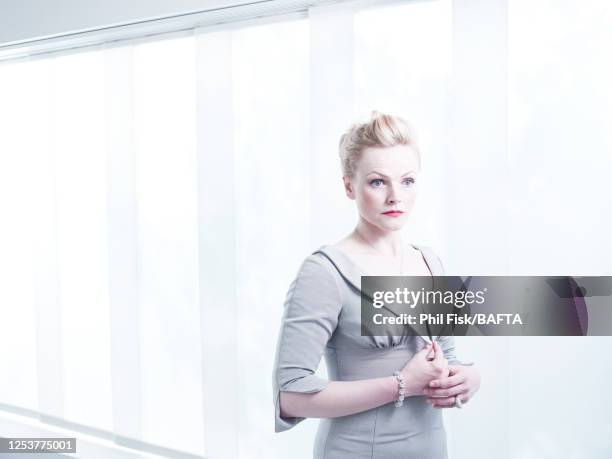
x=408, y=181
x=377, y=182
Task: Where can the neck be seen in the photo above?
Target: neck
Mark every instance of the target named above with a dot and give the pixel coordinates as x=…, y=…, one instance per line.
x=385, y=242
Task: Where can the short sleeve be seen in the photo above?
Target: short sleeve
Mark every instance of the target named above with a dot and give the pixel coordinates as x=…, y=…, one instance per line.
x=310, y=316
x=447, y=343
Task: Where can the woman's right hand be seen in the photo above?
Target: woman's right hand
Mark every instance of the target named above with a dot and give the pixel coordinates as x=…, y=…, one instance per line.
x=421, y=369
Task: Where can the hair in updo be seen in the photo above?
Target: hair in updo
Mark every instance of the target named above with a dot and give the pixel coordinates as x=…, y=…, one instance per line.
x=381, y=131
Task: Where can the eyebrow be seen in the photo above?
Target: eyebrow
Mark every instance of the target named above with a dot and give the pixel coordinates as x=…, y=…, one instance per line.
x=386, y=176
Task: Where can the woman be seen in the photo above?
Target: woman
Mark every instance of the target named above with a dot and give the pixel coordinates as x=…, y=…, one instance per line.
x=380, y=164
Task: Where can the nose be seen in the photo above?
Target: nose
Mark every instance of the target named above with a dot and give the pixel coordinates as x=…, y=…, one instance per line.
x=393, y=196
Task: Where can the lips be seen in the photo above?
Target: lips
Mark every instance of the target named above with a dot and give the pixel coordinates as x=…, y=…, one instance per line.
x=393, y=213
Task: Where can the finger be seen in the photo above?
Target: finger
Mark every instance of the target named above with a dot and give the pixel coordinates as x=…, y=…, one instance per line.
x=450, y=392
x=454, y=369
x=445, y=383
x=428, y=352
x=446, y=402
x=441, y=401
x=439, y=355
x=440, y=370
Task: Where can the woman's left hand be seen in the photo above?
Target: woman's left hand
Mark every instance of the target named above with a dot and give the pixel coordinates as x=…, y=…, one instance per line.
x=462, y=381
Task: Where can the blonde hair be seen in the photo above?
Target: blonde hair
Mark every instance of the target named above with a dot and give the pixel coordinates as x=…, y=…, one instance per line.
x=382, y=130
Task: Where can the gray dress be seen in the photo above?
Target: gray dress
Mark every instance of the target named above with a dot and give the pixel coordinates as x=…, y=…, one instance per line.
x=322, y=316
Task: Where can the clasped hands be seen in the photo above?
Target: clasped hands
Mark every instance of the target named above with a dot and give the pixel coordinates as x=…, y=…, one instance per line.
x=432, y=376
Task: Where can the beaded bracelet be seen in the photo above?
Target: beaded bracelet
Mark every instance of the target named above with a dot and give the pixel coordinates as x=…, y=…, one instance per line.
x=402, y=383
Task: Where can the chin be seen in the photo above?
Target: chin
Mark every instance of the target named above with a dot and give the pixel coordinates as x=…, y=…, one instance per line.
x=392, y=225
x=395, y=227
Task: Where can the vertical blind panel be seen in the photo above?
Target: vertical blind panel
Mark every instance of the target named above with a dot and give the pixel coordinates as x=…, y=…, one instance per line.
x=82, y=245
x=560, y=148
x=560, y=142
x=271, y=105
x=403, y=60
x=22, y=108
x=167, y=219
x=331, y=112
x=123, y=242
x=217, y=208
x=45, y=260
x=475, y=203
x=477, y=206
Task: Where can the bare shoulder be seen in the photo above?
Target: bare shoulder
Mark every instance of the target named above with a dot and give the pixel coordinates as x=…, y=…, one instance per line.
x=344, y=242
x=347, y=245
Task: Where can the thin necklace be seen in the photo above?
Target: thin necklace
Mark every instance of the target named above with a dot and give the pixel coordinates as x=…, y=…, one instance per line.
x=376, y=250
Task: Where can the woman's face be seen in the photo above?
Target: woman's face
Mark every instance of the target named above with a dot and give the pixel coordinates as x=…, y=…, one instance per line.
x=385, y=181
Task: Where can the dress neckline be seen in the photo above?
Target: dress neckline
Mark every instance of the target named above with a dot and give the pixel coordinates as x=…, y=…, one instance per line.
x=359, y=269
x=351, y=272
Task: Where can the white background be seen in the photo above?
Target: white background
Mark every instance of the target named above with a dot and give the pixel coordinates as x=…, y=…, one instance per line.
x=151, y=190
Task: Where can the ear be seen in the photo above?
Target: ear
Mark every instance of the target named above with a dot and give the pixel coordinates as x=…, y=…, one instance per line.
x=348, y=188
